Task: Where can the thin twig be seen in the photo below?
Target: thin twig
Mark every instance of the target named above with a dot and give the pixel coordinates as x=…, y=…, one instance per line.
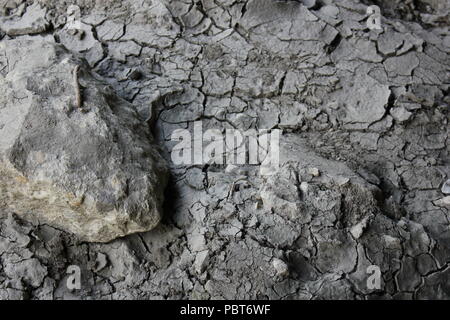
x=76, y=84
x=233, y=185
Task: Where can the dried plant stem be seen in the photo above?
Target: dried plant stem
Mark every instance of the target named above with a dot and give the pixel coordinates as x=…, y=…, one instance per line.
x=76, y=84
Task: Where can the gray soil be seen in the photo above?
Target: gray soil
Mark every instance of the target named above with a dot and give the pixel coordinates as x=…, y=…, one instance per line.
x=365, y=152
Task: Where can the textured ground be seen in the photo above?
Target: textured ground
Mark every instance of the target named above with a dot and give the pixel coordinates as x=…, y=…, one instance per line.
x=364, y=154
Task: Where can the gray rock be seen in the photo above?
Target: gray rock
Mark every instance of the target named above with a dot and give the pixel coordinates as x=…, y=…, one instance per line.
x=32, y=22
x=400, y=114
x=91, y=171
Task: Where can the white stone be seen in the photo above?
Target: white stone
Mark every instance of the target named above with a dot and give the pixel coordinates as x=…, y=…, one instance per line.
x=314, y=172
x=281, y=268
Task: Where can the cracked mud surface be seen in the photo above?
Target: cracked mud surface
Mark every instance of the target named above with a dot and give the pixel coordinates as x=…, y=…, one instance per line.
x=365, y=153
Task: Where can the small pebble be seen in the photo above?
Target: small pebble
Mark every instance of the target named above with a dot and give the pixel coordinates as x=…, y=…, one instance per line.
x=280, y=267
x=304, y=187
x=446, y=187
x=314, y=172
x=331, y=11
